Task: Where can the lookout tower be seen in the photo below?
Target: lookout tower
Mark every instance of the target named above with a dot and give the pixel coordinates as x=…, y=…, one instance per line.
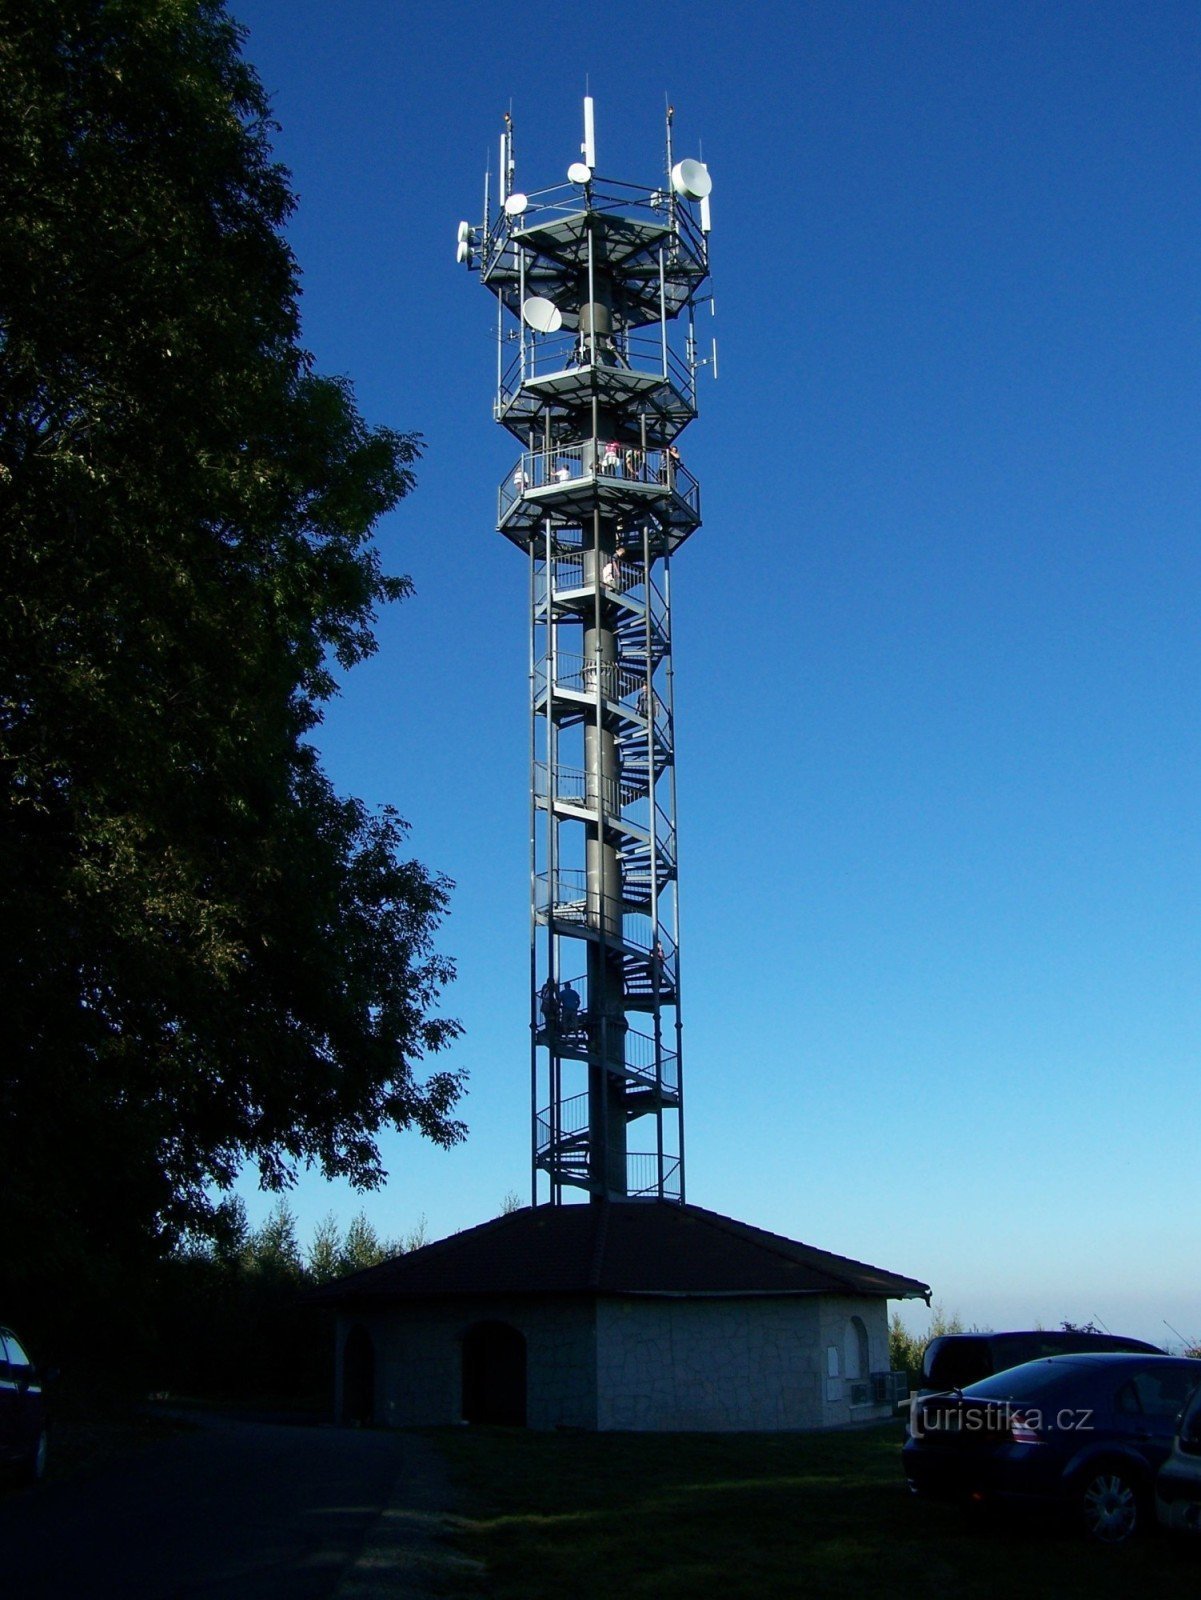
x=597, y=284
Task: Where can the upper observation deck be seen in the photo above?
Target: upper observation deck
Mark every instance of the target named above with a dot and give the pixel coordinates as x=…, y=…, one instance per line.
x=643, y=241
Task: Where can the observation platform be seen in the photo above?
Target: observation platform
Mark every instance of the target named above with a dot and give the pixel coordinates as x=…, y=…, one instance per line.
x=645, y=240
x=623, y=481
x=555, y=377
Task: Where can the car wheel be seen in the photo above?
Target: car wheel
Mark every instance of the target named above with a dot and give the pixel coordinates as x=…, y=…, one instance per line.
x=1111, y=1505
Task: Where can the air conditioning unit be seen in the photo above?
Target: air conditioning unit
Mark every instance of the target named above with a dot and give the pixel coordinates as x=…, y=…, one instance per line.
x=861, y=1394
x=890, y=1388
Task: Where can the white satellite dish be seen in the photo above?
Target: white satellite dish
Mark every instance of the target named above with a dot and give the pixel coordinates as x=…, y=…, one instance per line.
x=691, y=179
x=515, y=205
x=579, y=172
x=463, y=251
x=464, y=232
x=542, y=315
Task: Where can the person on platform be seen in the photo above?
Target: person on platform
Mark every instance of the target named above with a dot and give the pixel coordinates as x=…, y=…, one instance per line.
x=548, y=1004
x=611, y=573
x=569, y=1008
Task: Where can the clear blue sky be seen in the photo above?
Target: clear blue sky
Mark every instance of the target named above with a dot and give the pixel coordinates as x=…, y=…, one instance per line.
x=937, y=642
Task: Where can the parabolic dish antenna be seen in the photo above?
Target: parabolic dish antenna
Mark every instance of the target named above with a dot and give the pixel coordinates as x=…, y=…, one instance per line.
x=464, y=232
x=579, y=172
x=691, y=179
x=542, y=315
x=462, y=251
x=515, y=205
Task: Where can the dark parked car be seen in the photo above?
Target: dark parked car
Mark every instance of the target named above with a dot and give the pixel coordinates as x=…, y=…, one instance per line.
x=1086, y=1433
x=953, y=1360
x=22, y=1411
x=1178, y=1487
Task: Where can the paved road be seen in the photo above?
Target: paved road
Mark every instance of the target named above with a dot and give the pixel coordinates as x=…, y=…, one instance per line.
x=238, y=1510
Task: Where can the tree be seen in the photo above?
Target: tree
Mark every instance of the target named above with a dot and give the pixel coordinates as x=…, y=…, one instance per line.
x=361, y=1247
x=273, y=1251
x=325, y=1251
x=209, y=957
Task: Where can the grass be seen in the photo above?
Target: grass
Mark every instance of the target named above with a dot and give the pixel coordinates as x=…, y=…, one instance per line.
x=688, y=1517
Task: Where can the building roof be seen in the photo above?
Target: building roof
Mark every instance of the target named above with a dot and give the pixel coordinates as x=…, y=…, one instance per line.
x=616, y=1248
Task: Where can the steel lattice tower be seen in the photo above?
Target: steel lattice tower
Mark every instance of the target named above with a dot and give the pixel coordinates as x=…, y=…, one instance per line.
x=597, y=284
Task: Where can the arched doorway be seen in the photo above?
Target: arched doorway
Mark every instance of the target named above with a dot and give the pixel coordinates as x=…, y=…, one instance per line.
x=494, y=1375
x=858, y=1361
x=358, y=1378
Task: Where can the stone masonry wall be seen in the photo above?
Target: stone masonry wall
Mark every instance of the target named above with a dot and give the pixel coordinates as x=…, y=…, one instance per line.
x=418, y=1359
x=709, y=1364
x=639, y=1363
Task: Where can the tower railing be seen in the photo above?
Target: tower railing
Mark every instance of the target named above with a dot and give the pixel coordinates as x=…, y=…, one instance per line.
x=551, y=354
x=605, y=196
x=565, y=898
x=649, y=1179
x=584, y=675
x=570, y=466
x=619, y=684
x=573, y=787
x=620, y=797
x=646, y=1065
x=641, y=619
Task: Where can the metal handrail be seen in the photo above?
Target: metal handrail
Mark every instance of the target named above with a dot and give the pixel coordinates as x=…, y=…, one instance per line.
x=550, y=354
x=622, y=577
x=583, y=675
x=566, y=200
x=572, y=787
x=573, y=1119
x=620, y=684
x=567, y=571
x=643, y=1172
x=646, y=1068
x=567, y=900
x=591, y=461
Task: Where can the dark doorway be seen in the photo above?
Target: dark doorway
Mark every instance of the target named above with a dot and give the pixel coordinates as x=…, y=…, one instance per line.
x=494, y=1375
x=358, y=1378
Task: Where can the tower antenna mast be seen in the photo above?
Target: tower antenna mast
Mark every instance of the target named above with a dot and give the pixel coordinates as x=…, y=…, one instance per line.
x=596, y=381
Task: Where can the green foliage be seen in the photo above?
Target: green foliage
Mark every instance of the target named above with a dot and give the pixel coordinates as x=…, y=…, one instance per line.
x=324, y=1257
x=235, y=1322
x=362, y=1246
x=273, y=1251
x=209, y=957
x=417, y=1236
x=904, y=1348
x=941, y=1322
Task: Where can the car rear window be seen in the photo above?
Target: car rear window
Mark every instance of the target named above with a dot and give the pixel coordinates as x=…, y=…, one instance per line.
x=1025, y=1382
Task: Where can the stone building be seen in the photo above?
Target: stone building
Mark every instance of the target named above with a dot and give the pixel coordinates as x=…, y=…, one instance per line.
x=637, y=1315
